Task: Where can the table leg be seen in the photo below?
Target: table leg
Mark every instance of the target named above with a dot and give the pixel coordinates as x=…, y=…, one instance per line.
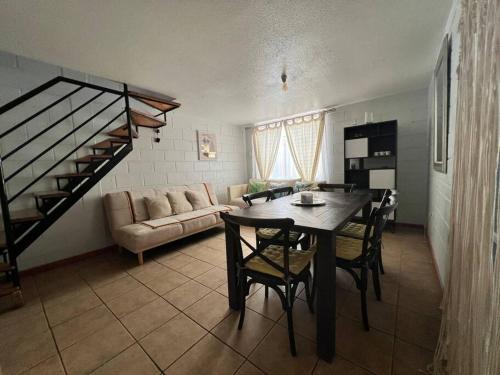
x=367, y=208
x=232, y=242
x=326, y=301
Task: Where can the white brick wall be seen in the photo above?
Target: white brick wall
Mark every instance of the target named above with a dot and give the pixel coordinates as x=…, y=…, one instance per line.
x=440, y=185
x=172, y=161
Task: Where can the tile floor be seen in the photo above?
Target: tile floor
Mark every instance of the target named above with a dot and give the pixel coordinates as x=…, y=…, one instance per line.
x=107, y=315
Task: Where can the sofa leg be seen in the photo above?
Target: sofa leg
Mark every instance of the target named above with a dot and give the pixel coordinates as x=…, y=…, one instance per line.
x=140, y=258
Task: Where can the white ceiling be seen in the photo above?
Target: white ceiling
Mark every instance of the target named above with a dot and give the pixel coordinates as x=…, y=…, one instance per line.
x=223, y=59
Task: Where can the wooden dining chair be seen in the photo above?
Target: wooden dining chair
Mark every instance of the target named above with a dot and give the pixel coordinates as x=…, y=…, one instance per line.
x=357, y=230
x=348, y=188
x=279, y=267
x=353, y=254
x=280, y=192
x=248, y=198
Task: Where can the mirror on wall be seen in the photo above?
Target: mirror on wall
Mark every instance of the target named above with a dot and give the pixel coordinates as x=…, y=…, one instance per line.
x=440, y=107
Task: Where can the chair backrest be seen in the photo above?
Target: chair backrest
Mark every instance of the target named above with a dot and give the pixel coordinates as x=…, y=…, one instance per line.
x=283, y=224
x=280, y=192
x=348, y=188
x=248, y=198
x=376, y=224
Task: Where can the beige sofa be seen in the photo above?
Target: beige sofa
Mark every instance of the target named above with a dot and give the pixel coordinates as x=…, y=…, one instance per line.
x=132, y=229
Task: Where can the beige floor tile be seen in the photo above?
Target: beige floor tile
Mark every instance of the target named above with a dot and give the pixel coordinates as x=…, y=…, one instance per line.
x=213, y=278
x=59, y=313
x=74, y=330
x=195, y=268
x=273, y=355
x=65, y=293
x=410, y=359
x=22, y=355
x=269, y=307
x=255, y=327
x=103, y=274
x=417, y=329
x=176, y=261
x=381, y=316
x=249, y=369
x=208, y=356
x=132, y=361
x=209, y=310
x=186, y=294
x=149, y=317
x=95, y=350
x=371, y=350
x=148, y=271
x=131, y=301
x=171, y=340
x=223, y=290
x=11, y=313
x=23, y=329
x=339, y=366
x=51, y=366
x=167, y=282
x=215, y=243
x=425, y=302
x=117, y=288
x=304, y=322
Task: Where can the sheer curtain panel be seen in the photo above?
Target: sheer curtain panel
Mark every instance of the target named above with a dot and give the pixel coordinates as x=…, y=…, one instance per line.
x=266, y=141
x=305, y=137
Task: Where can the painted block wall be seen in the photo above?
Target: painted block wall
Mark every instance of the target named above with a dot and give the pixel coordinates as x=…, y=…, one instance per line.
x=440, y=184
x=172, y=161
x=410, y=110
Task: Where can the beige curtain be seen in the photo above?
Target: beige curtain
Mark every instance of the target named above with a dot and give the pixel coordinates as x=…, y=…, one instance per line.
x=469, y=341
x=304, y=135
x=266, y=141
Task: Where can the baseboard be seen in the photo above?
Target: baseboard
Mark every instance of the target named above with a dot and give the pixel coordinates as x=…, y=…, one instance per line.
x=409, y=225
x=65, y=261
x=434, y=262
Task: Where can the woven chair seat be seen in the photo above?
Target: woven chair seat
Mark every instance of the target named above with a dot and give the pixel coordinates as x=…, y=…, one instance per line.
x=354, y=230
x=348, y=248
x=268, y=233
x=298, y=260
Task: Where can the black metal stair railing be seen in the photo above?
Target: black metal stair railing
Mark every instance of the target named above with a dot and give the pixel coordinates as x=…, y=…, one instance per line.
x=19, y=237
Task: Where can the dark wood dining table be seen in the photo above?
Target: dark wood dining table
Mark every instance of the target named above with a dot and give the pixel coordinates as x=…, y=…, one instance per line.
x=321, y=221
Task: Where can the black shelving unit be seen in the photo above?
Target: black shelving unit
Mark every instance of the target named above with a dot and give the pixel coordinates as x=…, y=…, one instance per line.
x=372, y=138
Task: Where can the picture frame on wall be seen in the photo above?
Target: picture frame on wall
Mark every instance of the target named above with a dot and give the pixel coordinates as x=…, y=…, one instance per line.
x=440, y=108
x=207, y=146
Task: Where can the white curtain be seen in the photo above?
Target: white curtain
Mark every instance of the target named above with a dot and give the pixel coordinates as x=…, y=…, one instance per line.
x=266, y=140
x=305, y=137
x=469, y=341
x=326, y=166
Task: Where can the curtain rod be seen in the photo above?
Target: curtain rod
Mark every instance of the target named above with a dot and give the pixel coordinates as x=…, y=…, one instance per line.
x=326, y=110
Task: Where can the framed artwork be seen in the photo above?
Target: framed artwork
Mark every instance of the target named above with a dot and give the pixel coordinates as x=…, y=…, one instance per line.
x=207, y=146
x=441, y=107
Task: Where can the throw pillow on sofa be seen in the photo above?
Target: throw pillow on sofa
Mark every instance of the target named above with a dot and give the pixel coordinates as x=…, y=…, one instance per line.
x=158, y=207
x=179, y=202
x=197, y=199
x=256, y=186
x=303, y=186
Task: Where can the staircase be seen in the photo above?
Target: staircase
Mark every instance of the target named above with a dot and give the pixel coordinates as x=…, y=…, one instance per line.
x=23, y=227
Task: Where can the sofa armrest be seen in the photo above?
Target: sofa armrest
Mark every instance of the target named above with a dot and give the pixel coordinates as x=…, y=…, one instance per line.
x=236, y=191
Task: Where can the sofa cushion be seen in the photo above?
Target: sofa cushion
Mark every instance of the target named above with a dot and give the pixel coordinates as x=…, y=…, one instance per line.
x=118, y=210
x=195, y=221
x=239, y=202
x=197, y=199
x=179, y=202
x=139, y=209
x=158, y=207
x=140, y=237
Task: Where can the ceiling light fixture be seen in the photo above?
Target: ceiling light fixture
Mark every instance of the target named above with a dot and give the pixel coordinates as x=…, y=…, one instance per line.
x=283, y=79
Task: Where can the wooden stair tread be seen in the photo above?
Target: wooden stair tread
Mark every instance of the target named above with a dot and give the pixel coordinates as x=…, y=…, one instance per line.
x=122, y=132
x=108, y=143
x=162, y=105
x=51, y=194
x=145, y=119
x=72, y=175
x=25, y=216
x=90, y=158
